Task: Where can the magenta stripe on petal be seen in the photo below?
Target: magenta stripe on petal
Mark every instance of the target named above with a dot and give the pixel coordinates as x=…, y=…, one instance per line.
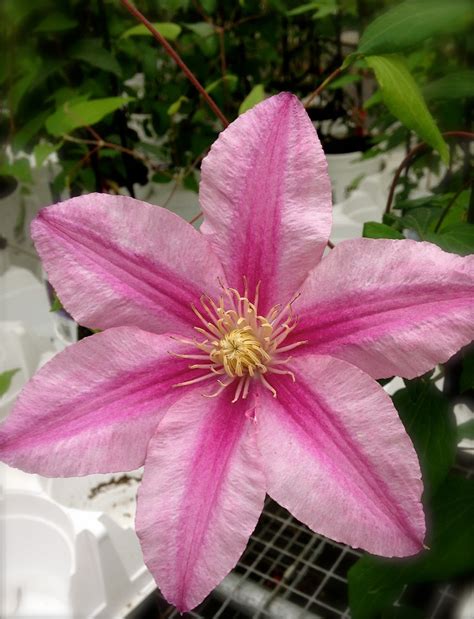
x=266, y=198
x=389, y=307
x=94, y=407
x=337, y=456
x=201, y=496
x=133, y=276
x=116, y=261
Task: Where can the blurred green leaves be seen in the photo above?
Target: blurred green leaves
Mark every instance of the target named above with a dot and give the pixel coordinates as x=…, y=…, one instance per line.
x=456, y=238
x=427, y=417
x=168, y=30
x=412, y=22
x=375, y=584
x=457, y=85
x=70, y=116
x=94, y=53
x=56, y=22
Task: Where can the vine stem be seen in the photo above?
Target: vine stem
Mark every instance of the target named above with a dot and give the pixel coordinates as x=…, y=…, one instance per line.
x=100, y=143
x=177, y=59
x=467, y=135
x=322, y=86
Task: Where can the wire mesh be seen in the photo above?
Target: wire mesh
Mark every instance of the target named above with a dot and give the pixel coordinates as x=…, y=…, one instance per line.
x=289, y=572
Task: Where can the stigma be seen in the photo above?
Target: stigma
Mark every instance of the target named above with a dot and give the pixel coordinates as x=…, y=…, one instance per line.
x=239, y=346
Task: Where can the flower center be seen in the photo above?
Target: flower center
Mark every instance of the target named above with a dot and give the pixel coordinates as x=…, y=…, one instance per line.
x=240, y=352
x=239, y=345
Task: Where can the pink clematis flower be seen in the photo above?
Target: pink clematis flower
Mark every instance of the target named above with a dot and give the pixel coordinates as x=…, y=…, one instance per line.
x=267, y=383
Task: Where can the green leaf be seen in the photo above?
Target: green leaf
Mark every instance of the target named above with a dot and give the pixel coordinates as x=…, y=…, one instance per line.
x=230, y=79
x=202, y=29
x=321, y=8
x=375, y=230
x=166, y=29
x=43, y=151
x=432, y=201
x=209, y=6
x=459, y=85
x=56, y=304
x=256, y=95
x=423, y=220
x=412, y=22
x=428, y=420
x=71, y=116
x=190, y=182
x=19, y=169
x=56, y=22
x=6, y=379
x=466, y=430
x=456, y=238
x=29, y=130
x=92, y=52
x=375, y=583
x=175, y=107
x=403, y=98
x=374, y=99
x=343, y=81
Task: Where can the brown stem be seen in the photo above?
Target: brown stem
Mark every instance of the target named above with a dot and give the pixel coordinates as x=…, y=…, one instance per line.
x=177, y=59
x=467, y=135
x=121, y=149
x=322, y=86
x=195, y=218
x=171, y=193
x=73, y=171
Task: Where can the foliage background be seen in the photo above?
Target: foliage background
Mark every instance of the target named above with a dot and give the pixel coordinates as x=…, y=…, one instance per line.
x=88, y=93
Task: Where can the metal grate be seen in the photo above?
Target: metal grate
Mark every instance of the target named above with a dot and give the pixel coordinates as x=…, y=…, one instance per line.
x=289, y=572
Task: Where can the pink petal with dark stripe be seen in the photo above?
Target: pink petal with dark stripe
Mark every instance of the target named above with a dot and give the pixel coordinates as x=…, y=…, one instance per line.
x=116, y=261
x=337, y=456
x=201, y=496
x=94, y=406
x=266, y=198
x=393, y=308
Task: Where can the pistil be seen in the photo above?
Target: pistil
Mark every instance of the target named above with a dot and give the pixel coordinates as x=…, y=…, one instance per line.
x=239, y=345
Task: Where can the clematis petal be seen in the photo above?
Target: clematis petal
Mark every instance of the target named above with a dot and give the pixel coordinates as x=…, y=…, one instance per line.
x=337, y=456
x=201, y=496
x=266, y=198
x=116, y=261
x=94, y=406
x=393, y=308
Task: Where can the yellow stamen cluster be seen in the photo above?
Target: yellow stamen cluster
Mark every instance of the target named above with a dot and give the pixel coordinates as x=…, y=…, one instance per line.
x=239, y=345
x=240, y=352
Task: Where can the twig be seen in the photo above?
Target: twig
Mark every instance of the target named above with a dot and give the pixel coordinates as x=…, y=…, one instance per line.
x=93, y=133
x=121, y=149
x=172, y=192
x=467, y=135
x=73, y=171
x=194, y=219
x=322, y=86
x=177, y=59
